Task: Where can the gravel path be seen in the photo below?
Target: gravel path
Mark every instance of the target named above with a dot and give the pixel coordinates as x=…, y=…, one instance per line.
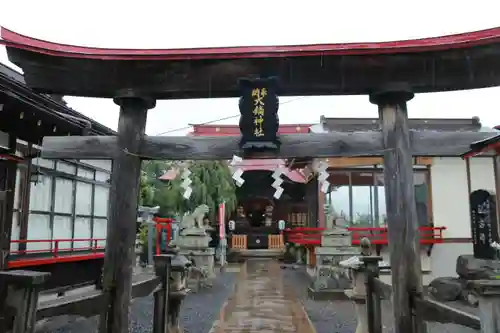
x=340, y=316
x=198, y=311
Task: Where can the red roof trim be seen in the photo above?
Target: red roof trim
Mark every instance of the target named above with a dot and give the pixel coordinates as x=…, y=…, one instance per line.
x=234, y=130
x=487, y=36
x=492, y=146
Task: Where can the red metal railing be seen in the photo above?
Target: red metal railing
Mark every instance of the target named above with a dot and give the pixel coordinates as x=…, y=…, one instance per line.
x=304, y=236
x=377, y=236
x=55, y=253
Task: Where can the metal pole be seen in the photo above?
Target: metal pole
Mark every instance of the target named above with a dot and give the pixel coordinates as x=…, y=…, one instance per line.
x=151, y=229
x=147, y=218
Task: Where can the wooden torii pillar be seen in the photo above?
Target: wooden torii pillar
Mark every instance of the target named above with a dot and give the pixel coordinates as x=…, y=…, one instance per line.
x=402, y=221
x=119, y=256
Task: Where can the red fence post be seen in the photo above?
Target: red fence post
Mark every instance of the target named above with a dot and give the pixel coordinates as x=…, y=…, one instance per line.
x=56, y=248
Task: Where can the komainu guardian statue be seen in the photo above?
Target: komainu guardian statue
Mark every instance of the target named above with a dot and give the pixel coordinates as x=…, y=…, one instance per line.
x=194, y=222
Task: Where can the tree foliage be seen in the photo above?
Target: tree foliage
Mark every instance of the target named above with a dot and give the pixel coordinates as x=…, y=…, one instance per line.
x=211, y=183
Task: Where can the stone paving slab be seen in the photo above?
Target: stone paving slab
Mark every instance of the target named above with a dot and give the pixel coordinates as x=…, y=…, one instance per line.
x=262, y=303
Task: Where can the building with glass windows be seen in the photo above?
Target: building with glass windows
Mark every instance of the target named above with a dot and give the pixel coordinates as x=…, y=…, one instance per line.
x=53, y=214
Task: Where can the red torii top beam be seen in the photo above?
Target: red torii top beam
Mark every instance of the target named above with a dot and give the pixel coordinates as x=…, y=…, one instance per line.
x=324, y=69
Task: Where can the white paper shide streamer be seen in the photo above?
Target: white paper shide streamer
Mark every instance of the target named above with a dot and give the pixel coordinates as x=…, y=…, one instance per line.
x=321, y=167
x=186, y=183
x=277, y=182
x=237, y=171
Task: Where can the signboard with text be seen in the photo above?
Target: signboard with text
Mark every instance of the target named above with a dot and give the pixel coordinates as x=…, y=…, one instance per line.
x=259, y=121
x=483, y=224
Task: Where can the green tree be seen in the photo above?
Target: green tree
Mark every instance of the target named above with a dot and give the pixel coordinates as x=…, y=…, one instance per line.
x=212, y=184
x=147, y=191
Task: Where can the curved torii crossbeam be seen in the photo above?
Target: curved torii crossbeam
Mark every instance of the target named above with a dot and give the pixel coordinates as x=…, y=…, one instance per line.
x=454, y=62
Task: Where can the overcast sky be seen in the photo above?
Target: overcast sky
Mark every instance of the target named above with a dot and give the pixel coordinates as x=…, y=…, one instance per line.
x=189, y=23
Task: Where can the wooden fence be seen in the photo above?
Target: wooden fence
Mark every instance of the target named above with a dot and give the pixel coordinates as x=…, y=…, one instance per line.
x=276, y=242
x=426, y=309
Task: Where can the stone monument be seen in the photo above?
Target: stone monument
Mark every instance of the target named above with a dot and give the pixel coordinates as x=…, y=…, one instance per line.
x=193, y=242
x=484, y=263
x=329, y=278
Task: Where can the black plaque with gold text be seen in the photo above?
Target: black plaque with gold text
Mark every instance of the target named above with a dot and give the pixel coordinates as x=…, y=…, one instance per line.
x=259, y=121
x=483, y=224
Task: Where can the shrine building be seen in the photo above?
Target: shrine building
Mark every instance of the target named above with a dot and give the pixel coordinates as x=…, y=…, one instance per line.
x=357, y=196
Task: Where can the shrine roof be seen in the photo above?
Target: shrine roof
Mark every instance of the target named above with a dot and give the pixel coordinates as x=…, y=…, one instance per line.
x=431, y=124
x=256, y=164
x=253, y=165
x=454, y=62
x=30, y=116
x=484, y=146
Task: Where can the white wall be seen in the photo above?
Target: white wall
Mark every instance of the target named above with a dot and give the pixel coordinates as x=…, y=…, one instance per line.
x=482, y=174
x=450, y=196
x=444, y=258
x=450, y=205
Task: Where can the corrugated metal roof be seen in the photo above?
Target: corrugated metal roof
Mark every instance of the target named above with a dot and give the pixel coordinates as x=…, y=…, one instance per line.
x=372, y=124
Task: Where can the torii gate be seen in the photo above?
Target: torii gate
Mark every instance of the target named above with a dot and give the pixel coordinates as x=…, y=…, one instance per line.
x=426, y=65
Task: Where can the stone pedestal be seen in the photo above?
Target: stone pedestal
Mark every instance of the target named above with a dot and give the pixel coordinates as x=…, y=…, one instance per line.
x=194, y=244
x=368, y=315
x=489, y=303
x=358, y=295
x=329, y=277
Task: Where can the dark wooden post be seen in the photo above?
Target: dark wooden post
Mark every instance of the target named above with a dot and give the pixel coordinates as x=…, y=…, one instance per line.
x=373, y=304
x=402, y=219
x=163, y=268
x=21, y=300
x=120, y=256
x=8, y=172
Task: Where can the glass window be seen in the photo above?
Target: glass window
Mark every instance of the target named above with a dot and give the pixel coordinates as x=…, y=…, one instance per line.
x=66, y=167
x=339, y=195
x=41, y=194
x=63, y=229
x=421, y=196
x=83, y=198
x=39, y=229
x=99, y=231
x=82, y=231
x=362, y=199
x=359, y=197
x=101, y=176
x=85, y=173
x=41, y=162
x=17, y=190
x=101, y=198
x=15, y=232
x=380, y=216
x=63, y=202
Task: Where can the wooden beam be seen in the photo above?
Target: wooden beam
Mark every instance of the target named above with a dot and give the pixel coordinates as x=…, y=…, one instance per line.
x=335, y=144
x=346, y=162
x=421, y=160
x=123, y=199
x=402, y=220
